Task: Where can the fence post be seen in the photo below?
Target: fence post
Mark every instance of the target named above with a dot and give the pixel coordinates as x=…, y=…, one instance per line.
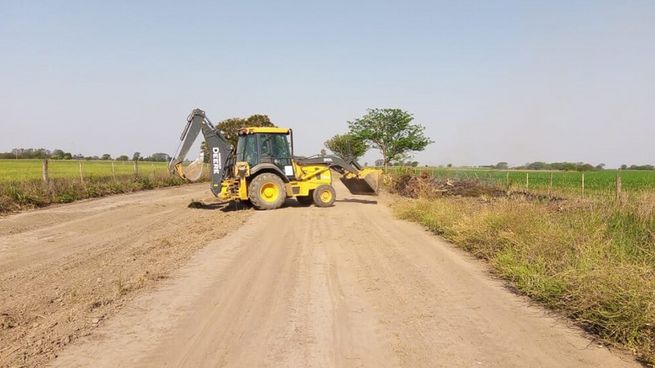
x=527, y=181
x=618, y=187
x=113, y=171
x=583, y=184
x=81, y=174
x=550, y=185
x=136, y=168
x=44, y=171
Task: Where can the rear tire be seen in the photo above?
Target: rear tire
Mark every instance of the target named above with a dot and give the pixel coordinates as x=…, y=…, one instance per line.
x=266, y=192
x=324, y=196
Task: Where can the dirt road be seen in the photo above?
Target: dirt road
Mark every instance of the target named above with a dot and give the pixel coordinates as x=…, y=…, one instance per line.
x=347, y=286
x=67, y=269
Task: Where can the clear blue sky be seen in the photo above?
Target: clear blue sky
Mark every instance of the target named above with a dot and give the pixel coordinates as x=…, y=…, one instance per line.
x=492, y=81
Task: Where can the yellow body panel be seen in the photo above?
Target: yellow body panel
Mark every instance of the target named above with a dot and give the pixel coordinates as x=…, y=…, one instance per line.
x=308, y=178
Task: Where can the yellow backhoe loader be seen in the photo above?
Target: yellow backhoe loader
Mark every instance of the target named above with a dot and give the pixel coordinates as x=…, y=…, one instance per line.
x=263, y=170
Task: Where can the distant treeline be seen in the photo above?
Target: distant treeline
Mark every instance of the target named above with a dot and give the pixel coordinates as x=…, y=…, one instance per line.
x=57, y=154
x=637, y=167
x=565, y=166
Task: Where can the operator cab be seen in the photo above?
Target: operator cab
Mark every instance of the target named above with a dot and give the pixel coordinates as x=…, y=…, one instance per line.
x=267, y=146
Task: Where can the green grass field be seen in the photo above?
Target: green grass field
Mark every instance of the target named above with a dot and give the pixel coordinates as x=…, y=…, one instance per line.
x=29, y=170
x=566, y=181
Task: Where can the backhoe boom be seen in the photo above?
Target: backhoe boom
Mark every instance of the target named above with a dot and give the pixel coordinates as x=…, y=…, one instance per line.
x=220, y=150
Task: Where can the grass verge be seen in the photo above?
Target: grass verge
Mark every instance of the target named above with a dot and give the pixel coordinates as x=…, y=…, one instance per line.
x=592, y=260
x=19, y=195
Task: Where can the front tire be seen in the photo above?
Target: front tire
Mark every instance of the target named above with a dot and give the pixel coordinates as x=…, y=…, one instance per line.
x=266, y=192
x=324, y=196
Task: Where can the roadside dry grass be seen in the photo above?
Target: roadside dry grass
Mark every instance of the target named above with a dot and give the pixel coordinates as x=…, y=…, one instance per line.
x=593, y=260
x=19, y=195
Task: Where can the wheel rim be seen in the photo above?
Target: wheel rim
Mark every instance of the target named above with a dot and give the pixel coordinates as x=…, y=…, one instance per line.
x=269, y=192
x=326, y=196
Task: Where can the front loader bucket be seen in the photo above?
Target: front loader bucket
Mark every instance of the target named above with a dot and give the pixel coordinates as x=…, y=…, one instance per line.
x=366, y=183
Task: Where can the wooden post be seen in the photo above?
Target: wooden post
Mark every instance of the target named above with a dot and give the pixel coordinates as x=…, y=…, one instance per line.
x=583, y=184
x=81, y=174
x=44, y=171
x=618, y=188
x=507, y=179
x=550, y=185
x=527, y=181
x=113, y=171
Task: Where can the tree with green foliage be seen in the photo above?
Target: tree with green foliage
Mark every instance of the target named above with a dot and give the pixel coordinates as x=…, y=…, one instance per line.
x=158, y=157
x=346, y=146
x=404, y=159
x=106, y=157
x=122, y=158
x=391, y=131
x=230, y=127
x=136, y=156
x=57, y=154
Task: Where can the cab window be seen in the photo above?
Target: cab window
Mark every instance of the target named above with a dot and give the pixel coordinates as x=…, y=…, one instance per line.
x=247, y=149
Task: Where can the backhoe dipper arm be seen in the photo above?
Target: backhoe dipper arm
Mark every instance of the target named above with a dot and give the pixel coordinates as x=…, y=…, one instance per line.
x=219, y=148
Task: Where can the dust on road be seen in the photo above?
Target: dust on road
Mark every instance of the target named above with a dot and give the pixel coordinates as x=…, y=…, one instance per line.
x=346, y=286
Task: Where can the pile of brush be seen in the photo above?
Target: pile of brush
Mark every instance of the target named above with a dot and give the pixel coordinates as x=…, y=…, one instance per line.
x=426, y=186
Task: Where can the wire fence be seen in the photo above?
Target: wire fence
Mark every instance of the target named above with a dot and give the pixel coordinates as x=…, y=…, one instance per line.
x=589, y=183
x=46, y=170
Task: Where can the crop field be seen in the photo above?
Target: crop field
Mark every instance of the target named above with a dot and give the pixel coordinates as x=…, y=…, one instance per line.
x=31, y=170
x=22, y=185
x=563, y=181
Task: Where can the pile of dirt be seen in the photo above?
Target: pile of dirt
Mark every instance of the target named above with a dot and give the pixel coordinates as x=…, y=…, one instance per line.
x=427, y=186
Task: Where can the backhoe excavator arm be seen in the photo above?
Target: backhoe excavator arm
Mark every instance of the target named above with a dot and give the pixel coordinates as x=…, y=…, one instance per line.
x=220, y=150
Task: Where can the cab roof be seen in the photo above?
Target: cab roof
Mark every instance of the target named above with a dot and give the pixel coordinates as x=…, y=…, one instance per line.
x=265, y=130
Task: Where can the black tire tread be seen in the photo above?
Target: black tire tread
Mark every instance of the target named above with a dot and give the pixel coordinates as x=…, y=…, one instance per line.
x=317, y=193
x=254, y=189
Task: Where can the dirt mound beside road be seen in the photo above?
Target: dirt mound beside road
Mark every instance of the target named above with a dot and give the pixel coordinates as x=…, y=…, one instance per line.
x=65, y=270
